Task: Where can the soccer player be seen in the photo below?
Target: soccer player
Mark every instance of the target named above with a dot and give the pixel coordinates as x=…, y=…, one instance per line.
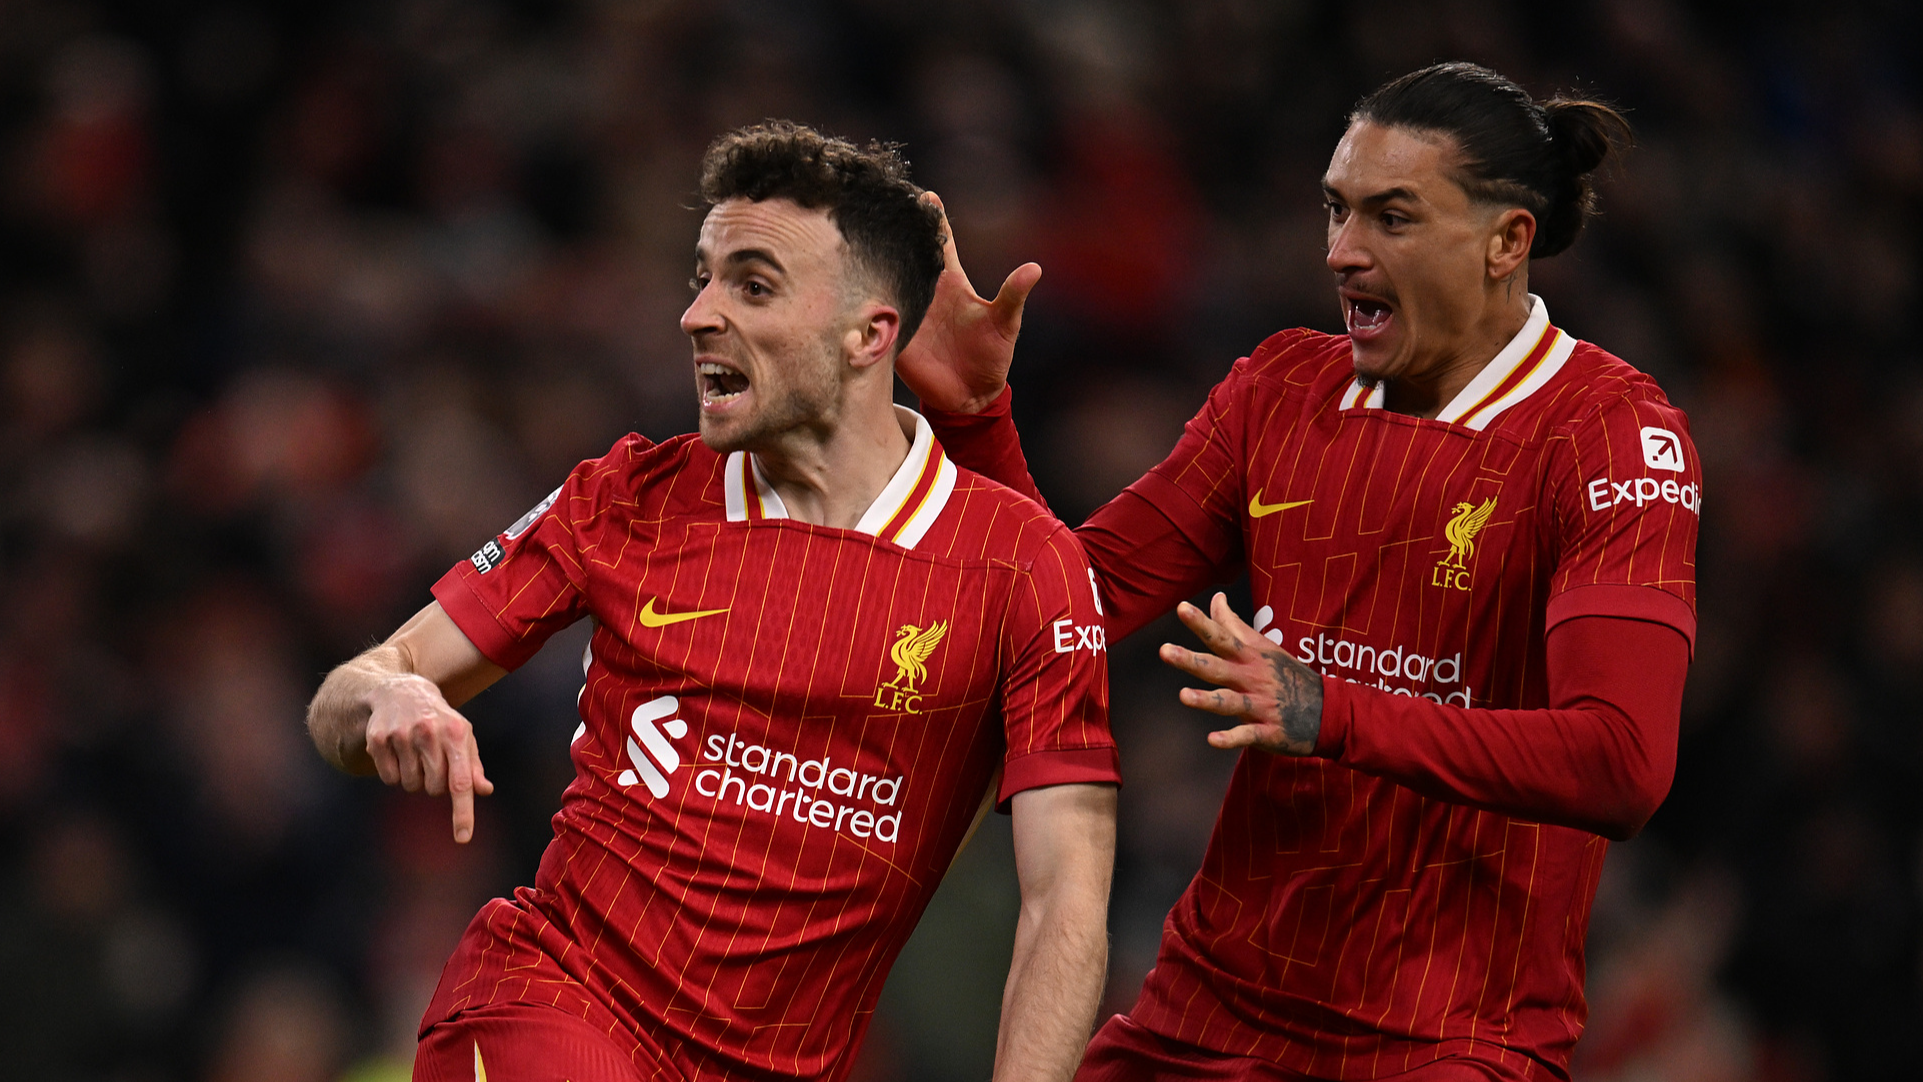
x=1471, y=542
x=817, y=643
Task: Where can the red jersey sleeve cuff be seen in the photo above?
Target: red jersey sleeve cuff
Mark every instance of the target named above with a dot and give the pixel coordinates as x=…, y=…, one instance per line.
x=1631, y=602
x=1066, y=767
x=479, y=623
x=1338, y=713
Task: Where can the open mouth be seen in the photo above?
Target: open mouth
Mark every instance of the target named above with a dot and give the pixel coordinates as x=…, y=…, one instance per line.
x=719, y=383
x=1368, y=315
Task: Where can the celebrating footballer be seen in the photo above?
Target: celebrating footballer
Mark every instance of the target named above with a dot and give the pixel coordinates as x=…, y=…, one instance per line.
x=819, y=649
x=1471, y=543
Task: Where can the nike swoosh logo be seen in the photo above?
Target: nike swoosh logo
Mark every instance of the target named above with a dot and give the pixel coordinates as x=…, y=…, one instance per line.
x=651, y=618
x=1258, y=509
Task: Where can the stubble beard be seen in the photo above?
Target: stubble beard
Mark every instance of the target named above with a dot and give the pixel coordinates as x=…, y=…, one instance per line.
x=811, y=401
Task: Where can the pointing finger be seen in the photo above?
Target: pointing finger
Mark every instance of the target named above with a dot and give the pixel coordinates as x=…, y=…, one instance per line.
x=460, y=786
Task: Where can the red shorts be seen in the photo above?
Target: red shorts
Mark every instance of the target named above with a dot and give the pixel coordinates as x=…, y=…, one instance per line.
x=519, y=1042
x=1123, y=1051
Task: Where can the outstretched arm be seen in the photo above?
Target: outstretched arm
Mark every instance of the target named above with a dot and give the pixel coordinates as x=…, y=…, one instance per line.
x=391, y=711
x=1600, y=757
x=1064, y=856
x=1153, y=544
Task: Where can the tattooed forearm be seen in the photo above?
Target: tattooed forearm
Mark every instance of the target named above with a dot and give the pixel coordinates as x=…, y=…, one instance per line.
x=1299, y=704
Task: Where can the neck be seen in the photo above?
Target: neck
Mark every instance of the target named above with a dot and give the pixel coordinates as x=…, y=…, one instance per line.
x=1425, y=393
x=829, y=474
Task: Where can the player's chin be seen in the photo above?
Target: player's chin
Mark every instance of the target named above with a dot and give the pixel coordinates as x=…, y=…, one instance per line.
x=725, y=433
x=1373, y=362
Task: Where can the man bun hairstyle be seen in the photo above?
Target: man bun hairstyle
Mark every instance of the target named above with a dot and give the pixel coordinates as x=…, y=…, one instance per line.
x=1514, y=149
x=891, y=234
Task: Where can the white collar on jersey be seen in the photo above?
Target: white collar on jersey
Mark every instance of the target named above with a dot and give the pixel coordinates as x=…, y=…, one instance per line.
x=1531, y=359
x=908, y=504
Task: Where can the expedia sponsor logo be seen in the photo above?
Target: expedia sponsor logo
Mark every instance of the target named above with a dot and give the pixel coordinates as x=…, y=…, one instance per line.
x=1662, y=450
x=1641, y=491
x=1071, y=636
x=812, y=791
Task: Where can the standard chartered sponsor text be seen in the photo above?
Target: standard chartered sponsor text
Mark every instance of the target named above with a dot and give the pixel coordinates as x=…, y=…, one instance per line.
x=1368, y=665
x=780, y=783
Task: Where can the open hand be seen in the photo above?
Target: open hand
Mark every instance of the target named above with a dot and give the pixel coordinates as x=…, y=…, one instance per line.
x=1279, y=698
x=418, y=741
x=959, y=358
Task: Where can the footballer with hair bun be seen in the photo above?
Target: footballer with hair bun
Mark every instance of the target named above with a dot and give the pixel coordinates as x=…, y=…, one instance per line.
x=1471, y=541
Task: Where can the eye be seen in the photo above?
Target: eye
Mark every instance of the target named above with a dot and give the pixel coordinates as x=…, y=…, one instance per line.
x=698, y=283
x=754, y=289
x=1336, y=210
x=1393, y=220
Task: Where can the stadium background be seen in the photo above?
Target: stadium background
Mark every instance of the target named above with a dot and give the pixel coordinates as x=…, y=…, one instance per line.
x=300, y=302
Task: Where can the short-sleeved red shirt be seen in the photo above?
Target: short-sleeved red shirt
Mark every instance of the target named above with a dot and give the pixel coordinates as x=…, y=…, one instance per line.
x=1344, y=925
x=786, y=731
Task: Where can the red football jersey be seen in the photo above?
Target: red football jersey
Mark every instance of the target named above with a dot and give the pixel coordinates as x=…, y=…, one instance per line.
x=1344, y=924
x=787, y=730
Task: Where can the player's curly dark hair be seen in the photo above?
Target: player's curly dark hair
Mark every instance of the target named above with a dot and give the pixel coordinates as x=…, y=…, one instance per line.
x=890, y=232
x=1515, y=150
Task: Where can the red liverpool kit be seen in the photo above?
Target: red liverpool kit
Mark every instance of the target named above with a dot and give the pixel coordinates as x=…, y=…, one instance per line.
x=1401, y=896
x=787, y=730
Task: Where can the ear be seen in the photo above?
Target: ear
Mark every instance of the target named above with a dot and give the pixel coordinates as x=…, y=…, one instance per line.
x=871, y=337
x=1511, y=233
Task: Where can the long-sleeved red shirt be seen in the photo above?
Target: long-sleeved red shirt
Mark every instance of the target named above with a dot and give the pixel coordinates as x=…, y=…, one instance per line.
x=1501, y=602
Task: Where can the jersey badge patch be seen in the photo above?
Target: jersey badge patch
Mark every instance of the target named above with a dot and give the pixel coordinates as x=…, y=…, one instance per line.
x=486, y=557
x=913, y=647
x=521, y=524
x=1469, y=519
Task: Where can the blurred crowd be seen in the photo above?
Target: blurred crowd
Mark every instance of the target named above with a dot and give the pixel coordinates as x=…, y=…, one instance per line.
x=300, y=302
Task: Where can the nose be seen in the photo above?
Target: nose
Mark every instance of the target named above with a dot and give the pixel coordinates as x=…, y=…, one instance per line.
x=702, y=316
x=1347, y=253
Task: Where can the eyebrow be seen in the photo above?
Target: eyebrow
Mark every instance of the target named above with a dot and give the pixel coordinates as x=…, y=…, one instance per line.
x=745, y=255
x=1379, y=198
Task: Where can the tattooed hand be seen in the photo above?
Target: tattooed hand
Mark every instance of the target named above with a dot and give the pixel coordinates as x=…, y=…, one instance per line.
x=1279, y=698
